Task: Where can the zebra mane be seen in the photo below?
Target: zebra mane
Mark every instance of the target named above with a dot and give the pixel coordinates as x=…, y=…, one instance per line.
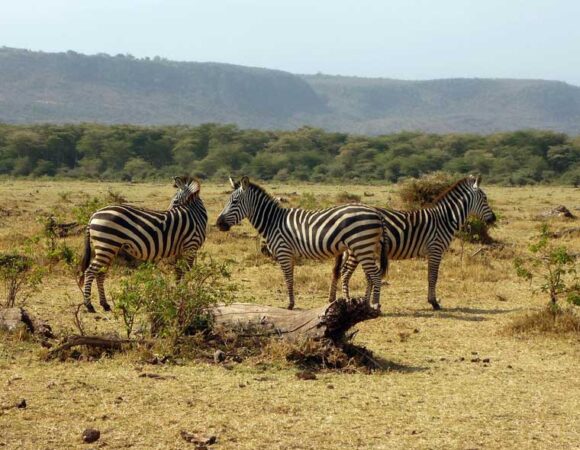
x=186, y=179
x=261, y=190
x=460, y=182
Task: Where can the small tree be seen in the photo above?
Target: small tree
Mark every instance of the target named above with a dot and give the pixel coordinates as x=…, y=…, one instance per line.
x=174, y=310
x=19, y=276
x=553, y=265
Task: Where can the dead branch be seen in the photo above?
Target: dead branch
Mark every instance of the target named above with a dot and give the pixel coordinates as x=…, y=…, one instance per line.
x=95, y=341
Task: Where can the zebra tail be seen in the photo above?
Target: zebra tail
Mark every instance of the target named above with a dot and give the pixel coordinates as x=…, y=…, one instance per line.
x=384, y=264
x=86, y=261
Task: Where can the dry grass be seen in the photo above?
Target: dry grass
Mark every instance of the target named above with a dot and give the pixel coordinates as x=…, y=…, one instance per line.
x=452, y=379
x=548, y=320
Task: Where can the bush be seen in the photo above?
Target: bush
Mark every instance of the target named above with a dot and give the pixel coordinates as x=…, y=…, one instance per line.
x=20, y=277
x=83, y=212
x=553, y=265
x=346, y=197
x=475, y=231
x=308, y=201
x=421, y=192
x=173, y=310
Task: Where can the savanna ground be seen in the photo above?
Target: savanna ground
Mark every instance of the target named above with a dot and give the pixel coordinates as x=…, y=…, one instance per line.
x=430, y=395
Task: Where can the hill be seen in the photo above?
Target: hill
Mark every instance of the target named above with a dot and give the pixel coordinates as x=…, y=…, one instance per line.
x=71, y=87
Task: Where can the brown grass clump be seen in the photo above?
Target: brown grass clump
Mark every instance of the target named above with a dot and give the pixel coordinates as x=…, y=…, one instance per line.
x=549, y=320
x=421, y=192
x=347, y=197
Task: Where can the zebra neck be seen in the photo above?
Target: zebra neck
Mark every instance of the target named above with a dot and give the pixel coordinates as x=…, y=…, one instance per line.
x=454, y=209
x=265, y=214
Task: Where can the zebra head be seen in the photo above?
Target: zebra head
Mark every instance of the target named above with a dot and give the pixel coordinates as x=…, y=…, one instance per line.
x=236, y=208
x=479, y=204
x=187, y=191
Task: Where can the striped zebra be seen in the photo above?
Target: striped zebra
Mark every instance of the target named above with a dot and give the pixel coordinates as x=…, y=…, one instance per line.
x=144, y=234
x=321, y=234
x=429, y=231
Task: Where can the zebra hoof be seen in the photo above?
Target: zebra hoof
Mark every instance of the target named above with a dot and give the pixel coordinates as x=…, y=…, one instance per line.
x=106, y=306
x=291, y=306
x=435, y=304
x=90, y=308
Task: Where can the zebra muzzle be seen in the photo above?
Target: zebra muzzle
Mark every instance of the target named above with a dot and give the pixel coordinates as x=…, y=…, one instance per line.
x=222, y=224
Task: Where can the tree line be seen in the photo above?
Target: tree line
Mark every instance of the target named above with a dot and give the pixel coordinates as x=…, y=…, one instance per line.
x=214, y=151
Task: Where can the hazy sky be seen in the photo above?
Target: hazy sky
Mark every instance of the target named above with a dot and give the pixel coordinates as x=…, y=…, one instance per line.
x=411, y=39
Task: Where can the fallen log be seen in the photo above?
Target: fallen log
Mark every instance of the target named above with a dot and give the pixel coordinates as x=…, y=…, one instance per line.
x=18, y=319
x=566, y=232
x=330, y=321
x=102, y=342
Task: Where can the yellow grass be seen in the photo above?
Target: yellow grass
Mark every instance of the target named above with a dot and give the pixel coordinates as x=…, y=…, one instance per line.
x=432, y=396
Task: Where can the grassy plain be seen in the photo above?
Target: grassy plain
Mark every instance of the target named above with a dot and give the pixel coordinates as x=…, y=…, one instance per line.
x=431, y=394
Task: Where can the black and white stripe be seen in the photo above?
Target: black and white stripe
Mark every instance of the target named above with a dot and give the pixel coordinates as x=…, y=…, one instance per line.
x=294, y=232
x=144, y=234
x=429, y=232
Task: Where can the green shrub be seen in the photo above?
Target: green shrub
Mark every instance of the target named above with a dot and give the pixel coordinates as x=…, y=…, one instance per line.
x=172, y=310
x=83, y=212
x=308, y=201
x=20, y=277
x=475, y=230
x=553, y=265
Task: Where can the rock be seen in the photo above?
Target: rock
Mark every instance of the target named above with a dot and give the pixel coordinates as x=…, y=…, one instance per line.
x=219, y=356
x=91, y=435
x=200, y=442
x=558, y=211
x=306, y=375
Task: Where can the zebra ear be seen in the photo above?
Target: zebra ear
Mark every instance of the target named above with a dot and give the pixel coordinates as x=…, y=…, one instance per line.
x=194, y=185
x=245, y=182
x=233, y=183
x=477, y=181
x=178, y=182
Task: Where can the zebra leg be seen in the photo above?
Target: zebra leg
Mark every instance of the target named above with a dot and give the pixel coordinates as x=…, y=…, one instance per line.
x=90, y=274
x=347, y=270
x=287, y=265
x=433, y=273
x=373, y=275
x=101, y=287
x=335, y=277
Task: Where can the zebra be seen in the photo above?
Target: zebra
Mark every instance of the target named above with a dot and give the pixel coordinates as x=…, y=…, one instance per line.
x=144, y=234
x=320, y=234
x=429, y=231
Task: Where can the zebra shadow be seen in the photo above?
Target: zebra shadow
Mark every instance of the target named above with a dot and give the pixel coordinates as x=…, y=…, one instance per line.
x=385, y=365
x=458, y=313
x=375, y=363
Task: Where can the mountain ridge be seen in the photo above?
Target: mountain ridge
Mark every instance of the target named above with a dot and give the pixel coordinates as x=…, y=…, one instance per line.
x=72, y=87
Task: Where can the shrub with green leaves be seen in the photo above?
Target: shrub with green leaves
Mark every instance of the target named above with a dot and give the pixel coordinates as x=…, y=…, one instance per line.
x=417, y=193
x=553, y=266
x=83, y=212
x=165, y=308
x=20, y=277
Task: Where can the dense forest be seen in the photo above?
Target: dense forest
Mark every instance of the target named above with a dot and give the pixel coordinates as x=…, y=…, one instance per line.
x=128, y=152
x=38, y=87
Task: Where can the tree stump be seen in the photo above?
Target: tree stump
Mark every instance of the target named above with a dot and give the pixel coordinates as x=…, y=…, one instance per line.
x=17, y=319
x=330, y=321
